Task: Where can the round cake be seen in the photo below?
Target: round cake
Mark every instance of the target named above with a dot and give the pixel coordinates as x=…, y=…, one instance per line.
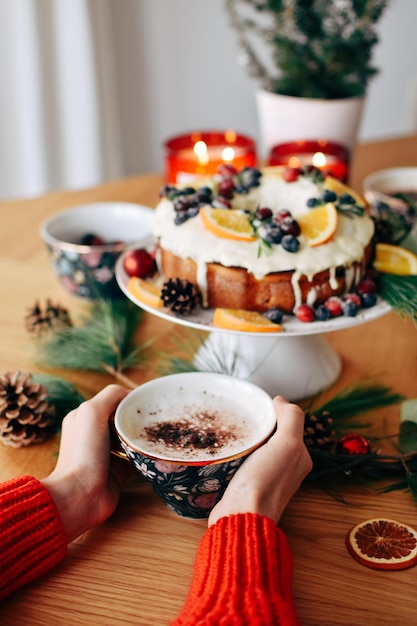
x=262, y=239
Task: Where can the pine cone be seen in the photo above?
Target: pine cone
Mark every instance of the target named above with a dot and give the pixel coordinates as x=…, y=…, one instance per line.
x=180, y=296
x=25, y=415
x=318, y=431
x=53, y=317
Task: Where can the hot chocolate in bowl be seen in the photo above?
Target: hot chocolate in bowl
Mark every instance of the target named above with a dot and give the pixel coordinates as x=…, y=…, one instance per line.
x=189, y=433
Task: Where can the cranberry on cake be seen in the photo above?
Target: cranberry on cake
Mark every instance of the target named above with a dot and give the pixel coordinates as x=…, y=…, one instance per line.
x=263, y=239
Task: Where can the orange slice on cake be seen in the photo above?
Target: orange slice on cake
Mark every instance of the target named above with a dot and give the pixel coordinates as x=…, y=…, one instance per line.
x=319, y=225
x=227, y=223
x=242, y=320
x=394, y=260
x=145, y=291
x=383, y=544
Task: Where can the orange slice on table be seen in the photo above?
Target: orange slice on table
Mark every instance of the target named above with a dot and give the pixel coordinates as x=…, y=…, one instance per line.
x=145, y=291
x=319, y=225
x=227, y=223
x=383, y=544
x=242, y=320
x=394, y=260
x=333, y=184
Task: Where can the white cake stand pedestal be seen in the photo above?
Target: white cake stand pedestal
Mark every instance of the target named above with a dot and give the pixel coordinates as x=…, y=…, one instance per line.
x=294, y=367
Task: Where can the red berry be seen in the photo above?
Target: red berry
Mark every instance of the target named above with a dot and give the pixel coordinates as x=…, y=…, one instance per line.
x=289, y=226
x=372, y=274
x=353, y=297
x=291, y=174
x=227, y=170
x=227, y=188
x=90, y=239
x=221, y=203
x=334, y=306
x=139, y=263
x=263, y=213
x=366, y=286
x=305, y=313
x=353, y=444
x=282, y=214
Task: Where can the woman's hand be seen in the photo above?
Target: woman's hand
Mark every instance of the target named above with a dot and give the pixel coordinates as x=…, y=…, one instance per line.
x=269, y=477
x=85, y=484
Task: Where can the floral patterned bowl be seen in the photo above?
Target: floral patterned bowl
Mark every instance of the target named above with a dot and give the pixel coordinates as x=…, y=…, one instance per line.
x=189, y=433
x=87, y=269
x=392, y=195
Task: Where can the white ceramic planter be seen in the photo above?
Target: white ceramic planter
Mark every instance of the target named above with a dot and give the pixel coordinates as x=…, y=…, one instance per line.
x=286, y=118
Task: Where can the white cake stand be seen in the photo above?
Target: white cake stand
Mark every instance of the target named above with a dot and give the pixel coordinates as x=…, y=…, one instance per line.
x=296, y=363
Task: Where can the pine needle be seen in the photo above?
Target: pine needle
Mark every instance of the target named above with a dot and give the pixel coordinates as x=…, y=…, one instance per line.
x=332, y=469
x=104, y=340
x=61, y=393
x=188, y=345
x=199, y=356
x=359, y=397
x=401, y=293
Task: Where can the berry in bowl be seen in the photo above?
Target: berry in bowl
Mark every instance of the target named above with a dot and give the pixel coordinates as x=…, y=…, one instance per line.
x=84, y=243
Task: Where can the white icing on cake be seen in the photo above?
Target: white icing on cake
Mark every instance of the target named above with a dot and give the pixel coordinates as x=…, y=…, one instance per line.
x=192, y=240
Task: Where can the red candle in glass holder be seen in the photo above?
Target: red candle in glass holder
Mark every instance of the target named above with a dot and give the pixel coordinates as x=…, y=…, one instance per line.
x=200, y=153
x=331, y=158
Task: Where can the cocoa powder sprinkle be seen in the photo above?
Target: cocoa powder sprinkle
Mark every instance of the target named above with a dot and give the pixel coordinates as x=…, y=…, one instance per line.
x=191, y=433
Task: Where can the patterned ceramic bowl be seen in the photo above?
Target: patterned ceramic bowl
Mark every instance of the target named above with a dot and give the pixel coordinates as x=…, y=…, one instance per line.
x=189, y=433
x=84, y=243
x=392, y=195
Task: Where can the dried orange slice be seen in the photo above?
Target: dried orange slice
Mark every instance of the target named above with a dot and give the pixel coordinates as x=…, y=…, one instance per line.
x=227, y=223
x=394, y=260
x=145, y=291
x=242, y=320
x=319, y=225
x=383, y=544
x=333, y=184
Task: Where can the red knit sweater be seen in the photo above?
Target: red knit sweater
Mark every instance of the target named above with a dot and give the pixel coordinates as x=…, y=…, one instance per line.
x=242, y=573
x=32, y=538
x=242, y=576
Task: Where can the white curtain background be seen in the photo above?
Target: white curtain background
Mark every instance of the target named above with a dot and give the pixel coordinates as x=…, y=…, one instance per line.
x=58, y=115
x=90, y=89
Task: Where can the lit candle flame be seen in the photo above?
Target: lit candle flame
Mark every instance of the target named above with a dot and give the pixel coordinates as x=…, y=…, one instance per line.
x=228, y=154
x=201, y=152
x=319, y=160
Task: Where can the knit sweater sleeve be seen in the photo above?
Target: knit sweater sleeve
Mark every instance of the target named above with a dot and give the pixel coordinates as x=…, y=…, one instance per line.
x=242, y=576
x=32, y=538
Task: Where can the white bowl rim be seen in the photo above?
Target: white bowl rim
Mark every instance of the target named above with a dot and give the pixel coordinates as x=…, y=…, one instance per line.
x=93, y=207
x=189, y=376
x=369, y=182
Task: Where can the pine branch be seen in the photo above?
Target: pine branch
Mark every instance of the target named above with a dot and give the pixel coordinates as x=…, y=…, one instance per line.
x=61, y=393
x=104, y=341
x=316, y=49
x=397, y=471
x=358, y=398
x=401, y=293
x=196, y=355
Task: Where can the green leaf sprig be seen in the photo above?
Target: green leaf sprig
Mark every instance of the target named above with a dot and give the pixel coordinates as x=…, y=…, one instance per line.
x=348, y=209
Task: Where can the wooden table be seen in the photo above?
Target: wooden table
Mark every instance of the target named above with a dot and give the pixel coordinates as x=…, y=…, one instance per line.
x=136, y=567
